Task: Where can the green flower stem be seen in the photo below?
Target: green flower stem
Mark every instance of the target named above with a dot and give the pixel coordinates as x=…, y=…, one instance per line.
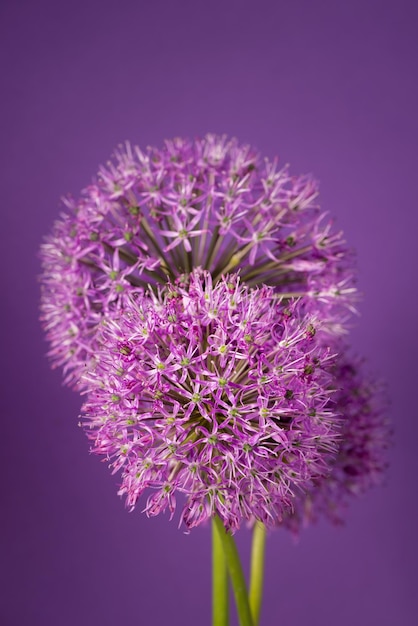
x=257, y=570
x=236, y=574
x=220, y=589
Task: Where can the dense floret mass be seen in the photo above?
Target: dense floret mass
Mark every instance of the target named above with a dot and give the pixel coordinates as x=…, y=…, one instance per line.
x=218, y=392
x=196, y=295
x=361, y=460
x=152, y=216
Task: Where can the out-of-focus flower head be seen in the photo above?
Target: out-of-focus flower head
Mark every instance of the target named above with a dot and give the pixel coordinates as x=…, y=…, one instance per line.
x=361, y=459
x=217, y=391
x=153, y=216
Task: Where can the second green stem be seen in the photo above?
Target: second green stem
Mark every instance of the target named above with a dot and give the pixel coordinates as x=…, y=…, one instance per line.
x=257, y=570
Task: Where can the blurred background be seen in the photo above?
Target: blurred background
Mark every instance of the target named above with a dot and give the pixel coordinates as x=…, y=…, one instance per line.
x=326, y=85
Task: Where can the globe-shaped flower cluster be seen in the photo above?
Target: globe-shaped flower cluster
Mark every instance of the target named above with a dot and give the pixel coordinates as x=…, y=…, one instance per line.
x=197, y=295
x=360, y=461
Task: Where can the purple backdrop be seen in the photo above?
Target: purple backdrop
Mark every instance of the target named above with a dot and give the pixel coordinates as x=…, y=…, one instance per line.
x=329, y=86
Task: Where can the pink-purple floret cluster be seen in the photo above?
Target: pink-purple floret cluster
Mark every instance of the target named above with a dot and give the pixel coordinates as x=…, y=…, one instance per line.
x=198, y=297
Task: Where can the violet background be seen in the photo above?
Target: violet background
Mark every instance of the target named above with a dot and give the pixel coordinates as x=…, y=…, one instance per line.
x=331, y=88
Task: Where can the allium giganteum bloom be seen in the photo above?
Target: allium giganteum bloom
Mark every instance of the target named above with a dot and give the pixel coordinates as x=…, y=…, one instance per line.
x=360, y=461
x=196, y=295
x=217, y=391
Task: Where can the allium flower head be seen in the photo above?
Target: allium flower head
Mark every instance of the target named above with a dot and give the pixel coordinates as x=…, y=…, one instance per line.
x=216, y=391
x=361, y=460
x=196, y=295
x=153, y=216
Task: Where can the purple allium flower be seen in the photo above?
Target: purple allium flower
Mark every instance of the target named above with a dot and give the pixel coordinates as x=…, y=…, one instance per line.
x=196, y=295
x=362, y=450
x=153, y=216
x=214, y=390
